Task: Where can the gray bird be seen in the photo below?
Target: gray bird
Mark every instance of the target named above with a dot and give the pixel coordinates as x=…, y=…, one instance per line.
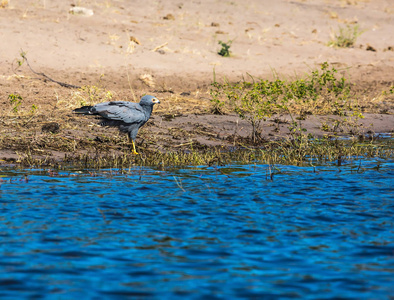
x=128, y=116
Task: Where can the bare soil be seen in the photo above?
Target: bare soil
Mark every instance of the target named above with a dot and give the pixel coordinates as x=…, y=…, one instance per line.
x=169, y=49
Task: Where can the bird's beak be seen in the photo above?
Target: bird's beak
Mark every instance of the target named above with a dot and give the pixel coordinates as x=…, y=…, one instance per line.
x=157, y=101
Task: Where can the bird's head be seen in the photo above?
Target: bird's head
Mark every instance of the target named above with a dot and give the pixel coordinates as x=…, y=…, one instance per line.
x=149, y=100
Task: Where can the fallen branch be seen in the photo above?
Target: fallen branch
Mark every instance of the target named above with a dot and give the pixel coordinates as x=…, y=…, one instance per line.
x=70, y=86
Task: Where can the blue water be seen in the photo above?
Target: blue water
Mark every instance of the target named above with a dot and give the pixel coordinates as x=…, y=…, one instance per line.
x=199, y=233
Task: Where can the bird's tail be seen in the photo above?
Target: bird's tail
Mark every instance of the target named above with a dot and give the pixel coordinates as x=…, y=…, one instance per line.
x=82, y=110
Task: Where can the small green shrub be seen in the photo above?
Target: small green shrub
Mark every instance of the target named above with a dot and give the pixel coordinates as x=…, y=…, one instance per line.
x=322, y=92
x=346, y=37
x=33, y=109
x=217, y=103
x=15, y=101
x=225, y=50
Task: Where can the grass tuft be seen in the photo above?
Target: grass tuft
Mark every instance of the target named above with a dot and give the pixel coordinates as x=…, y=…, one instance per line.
x=346, y=37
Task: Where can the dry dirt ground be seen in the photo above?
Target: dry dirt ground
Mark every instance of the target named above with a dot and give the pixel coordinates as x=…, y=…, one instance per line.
x=125, y=49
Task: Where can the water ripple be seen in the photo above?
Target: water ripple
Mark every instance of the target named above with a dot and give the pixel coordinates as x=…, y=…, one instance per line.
x=199, y=232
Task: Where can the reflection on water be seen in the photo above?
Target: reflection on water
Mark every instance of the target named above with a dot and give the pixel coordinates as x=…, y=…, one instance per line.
x=201, y=232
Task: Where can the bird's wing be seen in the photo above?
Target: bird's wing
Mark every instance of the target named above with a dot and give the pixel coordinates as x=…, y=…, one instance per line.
x=127, y=112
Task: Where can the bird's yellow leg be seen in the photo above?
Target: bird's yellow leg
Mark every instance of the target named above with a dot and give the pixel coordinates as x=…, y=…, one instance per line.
x=132, y=143
x=134, y=151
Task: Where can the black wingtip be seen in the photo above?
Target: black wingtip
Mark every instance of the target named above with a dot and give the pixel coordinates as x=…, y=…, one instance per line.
x=83, y=110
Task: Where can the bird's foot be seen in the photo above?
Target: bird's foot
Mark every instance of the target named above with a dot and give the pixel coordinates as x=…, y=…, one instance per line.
x=133, y=148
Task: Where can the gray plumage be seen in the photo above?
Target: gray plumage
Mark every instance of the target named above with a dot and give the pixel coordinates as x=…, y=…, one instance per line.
x=128, y=116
